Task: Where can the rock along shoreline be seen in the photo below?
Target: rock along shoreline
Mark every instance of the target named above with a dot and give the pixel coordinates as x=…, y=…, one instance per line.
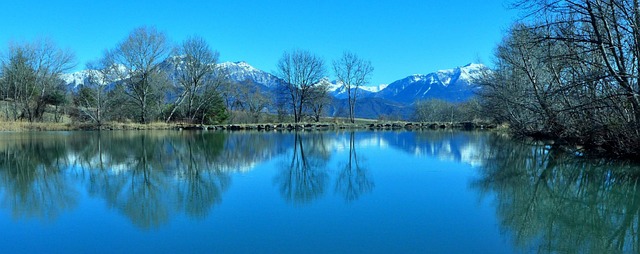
x=334, y=126
x=249, y=127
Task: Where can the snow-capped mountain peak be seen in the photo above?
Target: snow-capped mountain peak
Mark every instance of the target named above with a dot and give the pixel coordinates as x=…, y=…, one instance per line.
x=75, y=78
x=240, y=64
x=473, y=71
x=374, y=89
x=338, y=90
x=456, y=84
x=83, y=77
x=242, y=71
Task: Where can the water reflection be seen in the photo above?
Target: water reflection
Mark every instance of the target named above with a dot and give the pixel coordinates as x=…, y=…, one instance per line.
x=353, y=180
x=147, y=176
x=450, y=145
x=304, y=174
x=152, y=176
x=551, y=202
x=545, y=200
x=32, y=178
x=304, y=177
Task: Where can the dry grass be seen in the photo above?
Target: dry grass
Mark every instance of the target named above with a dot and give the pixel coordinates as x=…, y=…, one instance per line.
x=27, y=126
x=51, y=126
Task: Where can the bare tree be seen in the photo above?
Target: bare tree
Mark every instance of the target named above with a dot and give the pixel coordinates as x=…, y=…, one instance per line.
x=92, y=97
x=300, y=70
x=318, y=99
x=353, y=72
x=246, y=101
x=18, y=80
x=569, y=71
x=31, y=75
x=195, y=71
x=230, y=94
x=282, y=103
x=137, y=60
x=252, y=99
x=435, y=110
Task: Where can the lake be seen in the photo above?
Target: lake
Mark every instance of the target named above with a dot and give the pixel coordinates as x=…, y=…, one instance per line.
x=309, y=192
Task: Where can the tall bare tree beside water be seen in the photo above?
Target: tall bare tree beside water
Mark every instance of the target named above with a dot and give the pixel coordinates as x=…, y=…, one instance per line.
x=353, y=72
x=197, y=75
x=92, y=99
x=319, y=99
x=137, y=60
x=300, y=70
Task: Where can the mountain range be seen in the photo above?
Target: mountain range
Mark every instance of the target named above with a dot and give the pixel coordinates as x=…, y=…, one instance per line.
x=453, y=85
x=395, y=99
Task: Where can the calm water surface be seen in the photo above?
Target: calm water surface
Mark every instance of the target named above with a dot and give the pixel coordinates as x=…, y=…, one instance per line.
x=310, y=192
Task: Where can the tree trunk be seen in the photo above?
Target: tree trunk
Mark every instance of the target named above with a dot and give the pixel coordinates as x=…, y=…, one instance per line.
x=175, y=107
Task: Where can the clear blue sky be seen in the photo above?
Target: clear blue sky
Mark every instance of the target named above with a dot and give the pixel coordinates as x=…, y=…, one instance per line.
x=399, y=37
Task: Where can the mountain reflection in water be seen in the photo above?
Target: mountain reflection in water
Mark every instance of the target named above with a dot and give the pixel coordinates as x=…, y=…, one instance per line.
x=545, y=200
x=150, y=175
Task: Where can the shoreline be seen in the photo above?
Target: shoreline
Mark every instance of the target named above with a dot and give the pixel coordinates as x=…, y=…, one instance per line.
x=47, y=126
x=583, y=151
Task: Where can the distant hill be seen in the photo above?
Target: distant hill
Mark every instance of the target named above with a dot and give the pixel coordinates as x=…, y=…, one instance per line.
x=372, y=108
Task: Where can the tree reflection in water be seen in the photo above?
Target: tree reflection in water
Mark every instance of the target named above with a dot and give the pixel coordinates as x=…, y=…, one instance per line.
x=545, y=200
x=304, y=177
x=148, y=176
x=155, y=175
x=32, y=181
x=553, y=202
x=353, y=180
x=202, y=179
x=138, y=189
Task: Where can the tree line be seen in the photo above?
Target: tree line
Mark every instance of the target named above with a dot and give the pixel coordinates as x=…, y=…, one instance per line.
x=437, y=110
x=30, y=79
x=145, y=78
x=568, y=71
